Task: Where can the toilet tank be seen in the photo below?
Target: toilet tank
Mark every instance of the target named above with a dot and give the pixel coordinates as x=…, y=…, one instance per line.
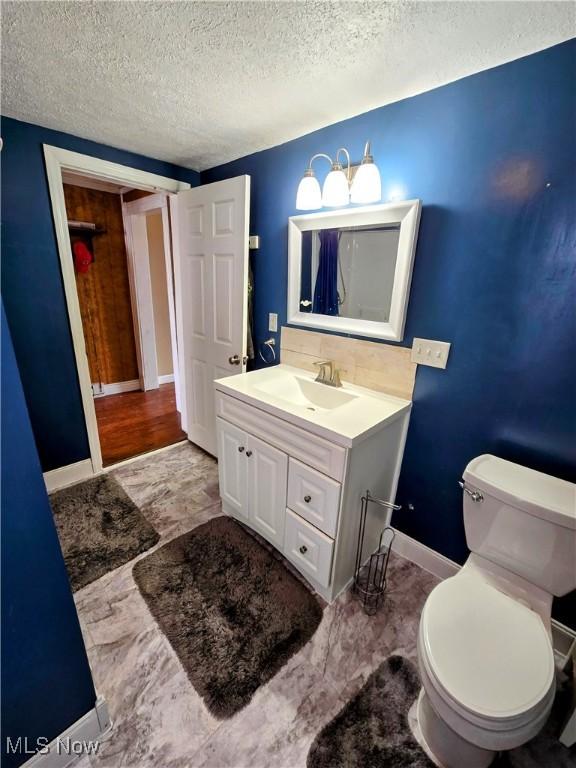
x=525, y=521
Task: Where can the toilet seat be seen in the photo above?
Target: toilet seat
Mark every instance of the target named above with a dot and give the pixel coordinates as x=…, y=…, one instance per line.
x=488, y=656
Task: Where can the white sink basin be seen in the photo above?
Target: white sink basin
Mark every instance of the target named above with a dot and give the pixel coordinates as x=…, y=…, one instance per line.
x=297, y=390
x=343, y=415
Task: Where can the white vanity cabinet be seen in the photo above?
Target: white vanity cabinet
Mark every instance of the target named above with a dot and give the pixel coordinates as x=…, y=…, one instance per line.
x=297, y=479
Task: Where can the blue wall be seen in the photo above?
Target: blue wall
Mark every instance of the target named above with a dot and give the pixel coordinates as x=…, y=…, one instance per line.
x=32, y=285
x=46, y=681
x=494, y=272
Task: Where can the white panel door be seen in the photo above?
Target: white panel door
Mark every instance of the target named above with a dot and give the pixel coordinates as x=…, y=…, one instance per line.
x=267, y=484
x=233, y=468
x=211, y=282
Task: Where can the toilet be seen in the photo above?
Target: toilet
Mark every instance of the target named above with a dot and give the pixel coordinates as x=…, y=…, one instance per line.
x=484, y=645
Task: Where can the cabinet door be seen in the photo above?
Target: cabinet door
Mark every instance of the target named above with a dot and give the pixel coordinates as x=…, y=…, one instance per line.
x=232, y=468
x=267, y=485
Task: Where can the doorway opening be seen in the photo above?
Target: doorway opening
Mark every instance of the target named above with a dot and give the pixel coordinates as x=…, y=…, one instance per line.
x=205, y=239
x=122, y=256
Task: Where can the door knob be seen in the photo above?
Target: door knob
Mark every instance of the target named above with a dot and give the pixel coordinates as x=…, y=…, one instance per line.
x=248, y=453
x=234, y=360
x=241, y=449
x=303, y=549
x=307, y=499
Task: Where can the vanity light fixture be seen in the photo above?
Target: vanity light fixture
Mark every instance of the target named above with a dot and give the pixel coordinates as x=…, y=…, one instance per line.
x=338, y=190
x=366, y=187
x=309, y=196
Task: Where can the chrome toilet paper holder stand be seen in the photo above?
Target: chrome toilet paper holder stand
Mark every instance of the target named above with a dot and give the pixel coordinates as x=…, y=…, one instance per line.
x=370, y=576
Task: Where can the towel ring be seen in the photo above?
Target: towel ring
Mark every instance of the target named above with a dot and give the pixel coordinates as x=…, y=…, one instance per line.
x=268, y=345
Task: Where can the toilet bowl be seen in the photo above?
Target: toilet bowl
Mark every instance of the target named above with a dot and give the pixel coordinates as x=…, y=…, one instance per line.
x=484, y=645
x=487, y=669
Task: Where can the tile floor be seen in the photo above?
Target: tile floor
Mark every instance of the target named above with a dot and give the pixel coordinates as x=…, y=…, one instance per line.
x=159, y=720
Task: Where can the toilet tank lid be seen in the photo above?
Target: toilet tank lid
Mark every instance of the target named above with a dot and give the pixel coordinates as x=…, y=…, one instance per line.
x=538, y=494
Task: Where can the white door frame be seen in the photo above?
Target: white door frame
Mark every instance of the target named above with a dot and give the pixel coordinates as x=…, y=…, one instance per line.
x=138, y=264
x=177, y=260
x=141, y=289
x=57, y=160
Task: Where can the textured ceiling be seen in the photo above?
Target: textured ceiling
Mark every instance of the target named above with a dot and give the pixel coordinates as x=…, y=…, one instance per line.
x=201, y=83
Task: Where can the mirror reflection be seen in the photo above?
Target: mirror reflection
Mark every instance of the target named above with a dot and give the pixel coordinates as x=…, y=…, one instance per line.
x=349, y=271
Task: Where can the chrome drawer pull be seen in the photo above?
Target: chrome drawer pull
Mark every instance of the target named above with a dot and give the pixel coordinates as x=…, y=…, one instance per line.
x=474, y=495
x=307, y=499
x=303, y=549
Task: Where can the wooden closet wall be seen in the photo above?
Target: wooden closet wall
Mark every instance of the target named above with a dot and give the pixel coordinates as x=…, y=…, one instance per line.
x=104, y=291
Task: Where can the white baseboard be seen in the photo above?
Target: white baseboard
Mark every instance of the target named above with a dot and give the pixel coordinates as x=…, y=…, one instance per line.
x=82, y=735
x=116, y=389
x=426, y=558
x=166, y=378
x=68, y=475
x=82, y=470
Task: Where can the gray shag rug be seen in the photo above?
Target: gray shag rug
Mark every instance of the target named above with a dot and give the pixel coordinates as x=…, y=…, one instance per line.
x=232, y=612
x=372, y=730
x=99, y=527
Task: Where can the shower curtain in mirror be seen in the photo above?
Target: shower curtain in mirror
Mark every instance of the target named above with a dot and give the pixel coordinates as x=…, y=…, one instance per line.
x=326, y=288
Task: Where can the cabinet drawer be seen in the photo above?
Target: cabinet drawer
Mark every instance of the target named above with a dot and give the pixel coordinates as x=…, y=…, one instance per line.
x=312, y=450
x=313, y=496
x=308, y=549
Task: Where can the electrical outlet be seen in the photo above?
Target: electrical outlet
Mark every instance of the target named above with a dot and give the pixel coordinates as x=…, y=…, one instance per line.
x=427, y=352
x=273, y=322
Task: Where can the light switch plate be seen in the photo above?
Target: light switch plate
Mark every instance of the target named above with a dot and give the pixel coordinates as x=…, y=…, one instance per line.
x=273, y=322
x=428, y=352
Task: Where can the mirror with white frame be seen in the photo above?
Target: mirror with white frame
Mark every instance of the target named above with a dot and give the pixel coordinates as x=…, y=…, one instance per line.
x=350, y=270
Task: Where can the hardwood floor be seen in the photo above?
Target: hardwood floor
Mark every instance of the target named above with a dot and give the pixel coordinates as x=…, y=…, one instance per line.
x=137, y=422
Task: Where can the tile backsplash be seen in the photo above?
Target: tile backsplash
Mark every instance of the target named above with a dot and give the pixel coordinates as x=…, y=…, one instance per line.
x=382, y=367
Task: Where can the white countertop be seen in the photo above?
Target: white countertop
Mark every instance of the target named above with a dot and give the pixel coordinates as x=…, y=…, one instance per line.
x=291, y=394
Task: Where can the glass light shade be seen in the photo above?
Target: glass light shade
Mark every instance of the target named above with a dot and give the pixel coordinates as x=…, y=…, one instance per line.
x=335, y=191
x=308, y=197
x=366, y=185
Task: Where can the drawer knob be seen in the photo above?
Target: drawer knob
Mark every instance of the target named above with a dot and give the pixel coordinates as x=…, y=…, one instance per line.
x=307, y=499
x=303, y=549
x=240, y=449
x=248, y=453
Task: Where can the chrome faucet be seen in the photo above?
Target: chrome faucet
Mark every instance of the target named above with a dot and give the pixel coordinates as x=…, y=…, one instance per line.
x=328, y=374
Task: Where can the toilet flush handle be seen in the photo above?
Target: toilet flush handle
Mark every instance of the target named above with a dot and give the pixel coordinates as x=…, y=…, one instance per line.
x=474, y=495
